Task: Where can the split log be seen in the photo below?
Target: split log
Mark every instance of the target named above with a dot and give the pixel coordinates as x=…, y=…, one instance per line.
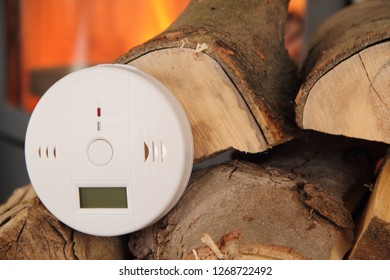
x=29, y=231
x=373, y=240
x=241, y=210
x=226, y=63
x=346, y=90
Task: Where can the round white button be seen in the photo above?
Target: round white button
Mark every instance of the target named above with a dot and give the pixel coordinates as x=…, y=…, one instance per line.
x=100, y=152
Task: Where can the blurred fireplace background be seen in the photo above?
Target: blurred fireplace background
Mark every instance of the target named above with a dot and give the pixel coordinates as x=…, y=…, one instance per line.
x=43, y=40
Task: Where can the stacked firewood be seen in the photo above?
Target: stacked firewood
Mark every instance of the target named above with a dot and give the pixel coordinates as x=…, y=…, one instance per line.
x=309, y=176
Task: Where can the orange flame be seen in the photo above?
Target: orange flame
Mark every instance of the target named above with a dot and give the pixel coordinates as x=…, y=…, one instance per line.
x=297, y=7
x=58, y=33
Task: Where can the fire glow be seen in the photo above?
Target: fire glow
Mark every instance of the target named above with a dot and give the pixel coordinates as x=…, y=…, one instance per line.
x=71, y=34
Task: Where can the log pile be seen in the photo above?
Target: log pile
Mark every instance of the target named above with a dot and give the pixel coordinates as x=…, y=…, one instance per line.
x=293, y=203
x=312, y=196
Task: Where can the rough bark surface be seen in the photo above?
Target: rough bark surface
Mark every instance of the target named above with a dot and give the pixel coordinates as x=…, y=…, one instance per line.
x=343, y=167
x=250, y=212
x=293, y=207
x=344, y=34
x=246, y=39
x=295, y=202
x=29, y=231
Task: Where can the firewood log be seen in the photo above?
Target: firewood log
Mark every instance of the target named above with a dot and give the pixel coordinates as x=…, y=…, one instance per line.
x=292, y=204
x=29, y=231
x=326, y=160
x=346, y=87
x=292, y=207
x=226, y=63
x=373, y=239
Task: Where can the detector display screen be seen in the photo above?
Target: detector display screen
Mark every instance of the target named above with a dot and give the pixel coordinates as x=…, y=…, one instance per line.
x=103, y=197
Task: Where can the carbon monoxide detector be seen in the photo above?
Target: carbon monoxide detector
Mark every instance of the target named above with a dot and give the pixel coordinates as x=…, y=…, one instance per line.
x=109, y=150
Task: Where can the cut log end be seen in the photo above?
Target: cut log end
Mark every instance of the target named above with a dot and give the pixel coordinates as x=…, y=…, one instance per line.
x=346, y=74
x=351, y=99
x=235, y=82
x=218, y=115
x=373, y=237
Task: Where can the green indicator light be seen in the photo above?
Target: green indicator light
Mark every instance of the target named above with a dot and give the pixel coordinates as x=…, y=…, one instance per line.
x=98, y=126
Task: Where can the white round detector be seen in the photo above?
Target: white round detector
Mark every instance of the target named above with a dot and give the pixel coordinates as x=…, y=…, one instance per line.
x=109, y=150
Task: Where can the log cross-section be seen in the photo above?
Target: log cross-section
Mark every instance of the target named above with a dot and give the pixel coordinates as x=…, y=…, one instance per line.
x=226, y=63
x=347, y=71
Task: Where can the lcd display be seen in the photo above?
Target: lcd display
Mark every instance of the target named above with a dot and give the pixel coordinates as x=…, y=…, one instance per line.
x=103, y=197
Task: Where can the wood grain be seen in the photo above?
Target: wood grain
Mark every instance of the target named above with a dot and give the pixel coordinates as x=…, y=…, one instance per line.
x=353, y=98
x=218, y=115
x=242, y=48
x=373, y=238
x=345, y=91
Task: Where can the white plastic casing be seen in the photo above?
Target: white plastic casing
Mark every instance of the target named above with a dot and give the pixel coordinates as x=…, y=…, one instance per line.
x=109, y=129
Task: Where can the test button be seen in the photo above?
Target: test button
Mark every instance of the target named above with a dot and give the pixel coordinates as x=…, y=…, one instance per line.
x=100, y=152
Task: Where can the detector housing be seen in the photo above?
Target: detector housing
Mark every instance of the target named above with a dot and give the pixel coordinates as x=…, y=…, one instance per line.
x=109, y=150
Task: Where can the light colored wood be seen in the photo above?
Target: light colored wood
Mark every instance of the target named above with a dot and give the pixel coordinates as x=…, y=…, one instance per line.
x=230, y=52
x=353, y=98
x=219, y=117
x=373, y=238
x=346, y=104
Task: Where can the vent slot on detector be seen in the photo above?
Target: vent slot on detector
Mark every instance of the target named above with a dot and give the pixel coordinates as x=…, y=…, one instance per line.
x=47, y=153
x=146, y=151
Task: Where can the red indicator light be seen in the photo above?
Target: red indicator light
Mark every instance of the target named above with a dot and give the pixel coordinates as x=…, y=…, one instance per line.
x=99, y=112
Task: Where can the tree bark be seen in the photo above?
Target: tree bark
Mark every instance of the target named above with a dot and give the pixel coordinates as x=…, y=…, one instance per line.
x=293, y=203
x=284, y=209
x=346, y=87
x=344, y=167
x=28, y=231
x=238, y=47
